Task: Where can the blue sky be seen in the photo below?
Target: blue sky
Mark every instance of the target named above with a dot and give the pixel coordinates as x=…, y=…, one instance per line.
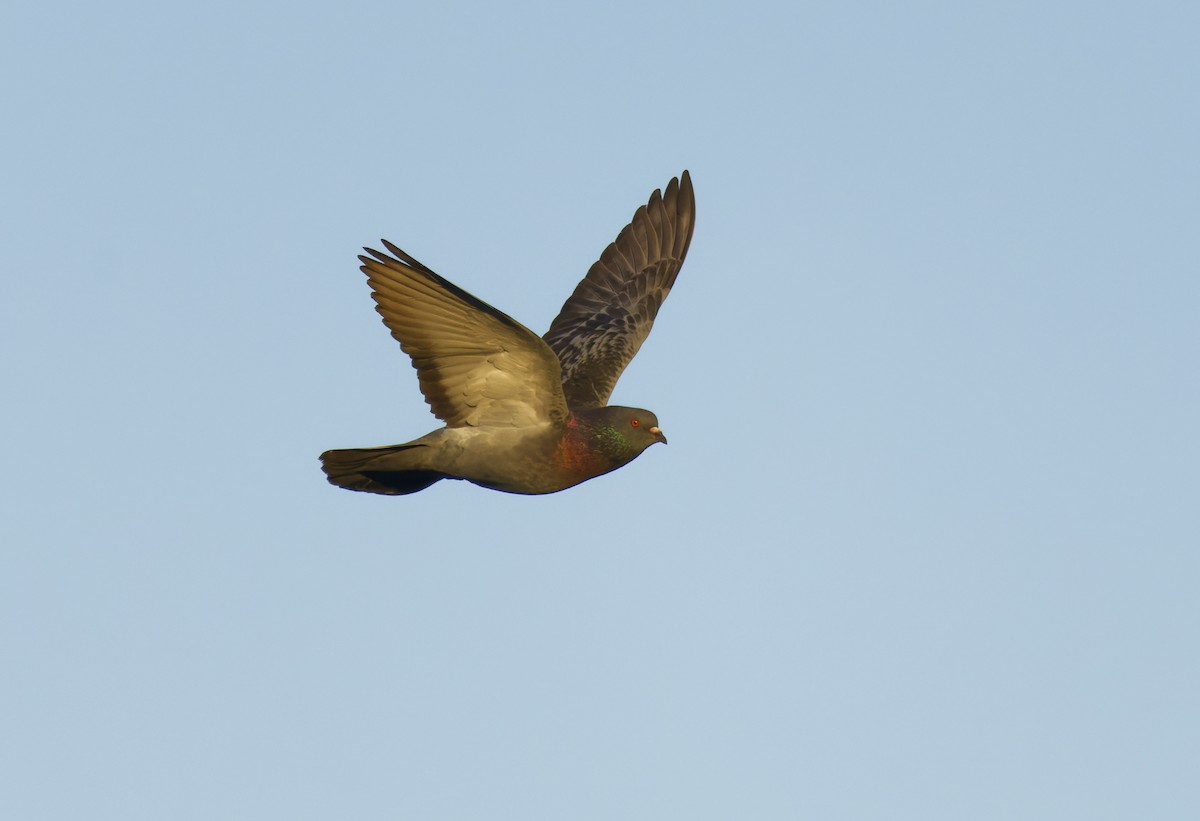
x=924, y=542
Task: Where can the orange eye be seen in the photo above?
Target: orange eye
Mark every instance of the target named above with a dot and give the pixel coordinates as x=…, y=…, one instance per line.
x=634, y=422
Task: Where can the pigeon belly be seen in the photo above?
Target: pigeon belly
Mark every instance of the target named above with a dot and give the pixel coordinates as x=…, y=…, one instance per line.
x=519, y=460
x=514, y=460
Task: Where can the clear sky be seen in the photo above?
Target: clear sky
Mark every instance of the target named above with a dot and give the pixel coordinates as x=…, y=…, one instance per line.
x=924, y=544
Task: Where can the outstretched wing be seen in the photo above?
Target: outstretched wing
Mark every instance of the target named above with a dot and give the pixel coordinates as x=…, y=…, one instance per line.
x=609, y=315
x=476, y=365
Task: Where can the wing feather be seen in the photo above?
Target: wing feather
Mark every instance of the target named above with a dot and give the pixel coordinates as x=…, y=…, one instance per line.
x=605, y=321
x=476, y=365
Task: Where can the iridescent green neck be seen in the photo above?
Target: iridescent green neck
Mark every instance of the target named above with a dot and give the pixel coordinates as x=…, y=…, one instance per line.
x=612, y=442
x=591, y=437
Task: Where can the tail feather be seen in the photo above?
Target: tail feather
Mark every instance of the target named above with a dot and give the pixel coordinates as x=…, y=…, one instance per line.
x=376, y=470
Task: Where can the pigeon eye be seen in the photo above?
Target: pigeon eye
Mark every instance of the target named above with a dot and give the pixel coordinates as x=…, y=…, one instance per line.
x=634, y=422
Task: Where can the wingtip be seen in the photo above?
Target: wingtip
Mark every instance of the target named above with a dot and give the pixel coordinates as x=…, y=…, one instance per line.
x=685, y=184
x=375, y=256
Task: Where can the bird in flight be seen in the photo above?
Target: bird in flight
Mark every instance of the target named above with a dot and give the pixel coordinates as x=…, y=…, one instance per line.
x=523, y=413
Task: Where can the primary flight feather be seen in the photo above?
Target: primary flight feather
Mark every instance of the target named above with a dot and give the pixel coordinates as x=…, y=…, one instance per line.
x=524, y=414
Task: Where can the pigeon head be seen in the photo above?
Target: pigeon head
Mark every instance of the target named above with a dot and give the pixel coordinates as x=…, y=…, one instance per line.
x=624, y=432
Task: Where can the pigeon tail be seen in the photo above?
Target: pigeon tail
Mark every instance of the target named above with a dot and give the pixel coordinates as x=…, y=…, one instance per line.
x=377, y=470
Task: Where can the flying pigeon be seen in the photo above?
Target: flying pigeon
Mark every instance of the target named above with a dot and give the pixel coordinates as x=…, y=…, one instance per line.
x=524, y=414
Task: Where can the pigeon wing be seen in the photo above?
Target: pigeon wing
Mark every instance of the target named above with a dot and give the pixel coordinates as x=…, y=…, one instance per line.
x=609, y=316
x=476, y=365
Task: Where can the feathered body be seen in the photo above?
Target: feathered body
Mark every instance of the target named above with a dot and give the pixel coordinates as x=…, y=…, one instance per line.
x=524, y=414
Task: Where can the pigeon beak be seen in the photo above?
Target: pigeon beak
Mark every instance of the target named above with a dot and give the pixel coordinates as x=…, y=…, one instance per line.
x=658, y=434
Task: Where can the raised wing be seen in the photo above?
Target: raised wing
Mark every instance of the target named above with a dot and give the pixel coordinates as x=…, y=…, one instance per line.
x=476, y=365
x=604, y=323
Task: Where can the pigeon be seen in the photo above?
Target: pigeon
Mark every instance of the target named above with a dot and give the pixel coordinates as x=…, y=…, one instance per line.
x=524, y=414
